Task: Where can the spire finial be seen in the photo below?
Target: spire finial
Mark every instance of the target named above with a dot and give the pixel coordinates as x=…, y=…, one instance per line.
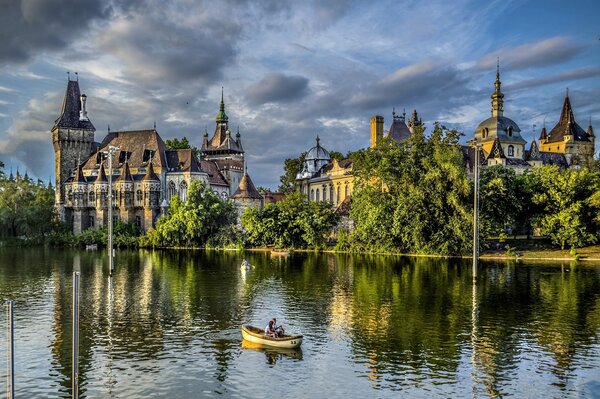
x=318, y=139
x=590, y=119
x=109, y=127
x=154, y=125
x=498, y=68
x=544, y=121
x=567, y=92
x=222, y=108
x=68, y=76
x=393, y=112
x=77, y=76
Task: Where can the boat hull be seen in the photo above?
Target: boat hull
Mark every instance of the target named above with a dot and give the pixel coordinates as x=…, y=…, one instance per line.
x=257, y=336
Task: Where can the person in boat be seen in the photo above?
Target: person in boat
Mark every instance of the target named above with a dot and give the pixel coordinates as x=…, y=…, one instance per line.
x=270, y=330
x=279, y=331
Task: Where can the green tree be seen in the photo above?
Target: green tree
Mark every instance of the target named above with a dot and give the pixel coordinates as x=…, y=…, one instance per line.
x=291, y=167
x=193, y=222
x=413, y=196
x=498, y=200
x=290, y=223
x=569, y=199
x=182, y=144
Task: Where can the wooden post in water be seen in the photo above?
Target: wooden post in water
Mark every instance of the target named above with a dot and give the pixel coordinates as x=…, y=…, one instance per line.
x=10, y=353
x=75, y=352
x=476, y=214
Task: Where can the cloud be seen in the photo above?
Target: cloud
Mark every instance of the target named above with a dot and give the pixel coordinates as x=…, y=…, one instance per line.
x=555, y=50
x=568, y=76
x=276, y=88
x=31, y=26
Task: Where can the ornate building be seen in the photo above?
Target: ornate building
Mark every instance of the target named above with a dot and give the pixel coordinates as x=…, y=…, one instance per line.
x=502, y=144
x=145, y=173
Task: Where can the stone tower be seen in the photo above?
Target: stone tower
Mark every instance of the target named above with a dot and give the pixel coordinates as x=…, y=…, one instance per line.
x=72, y=138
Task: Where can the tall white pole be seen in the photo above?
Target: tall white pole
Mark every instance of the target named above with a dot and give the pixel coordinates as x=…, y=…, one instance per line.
x=75, y=352
x=476, y=216
x=10, y=378
x=111, y=254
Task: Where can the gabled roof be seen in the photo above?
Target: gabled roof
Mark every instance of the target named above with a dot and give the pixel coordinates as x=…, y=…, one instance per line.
x=183, y=160
x=567, y=126
x=246, y=189
x=496, y=151
x=69, y=115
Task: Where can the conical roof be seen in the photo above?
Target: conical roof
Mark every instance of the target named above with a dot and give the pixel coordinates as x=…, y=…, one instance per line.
x=246, y=189
x=125, y=173
x=150, y=175
x=567, y=126
x=534, y=152
x=101, y=175
x=79, y=176
x=543, y=134
x=69, y=115
x=496, y=151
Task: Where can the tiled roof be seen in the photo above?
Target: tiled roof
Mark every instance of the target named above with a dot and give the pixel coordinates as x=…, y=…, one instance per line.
x=183, y=160
x=150, y=175
x=69, y=116
x=534, y=152
x=554, y=158
x=101, y=175
x=224, y=164
x=398, y=129
x=215, y=177
x=567, y=126
x=343, y=208
x=246, y=189
x=125, y=173
x=141, y=145
x=496, y=151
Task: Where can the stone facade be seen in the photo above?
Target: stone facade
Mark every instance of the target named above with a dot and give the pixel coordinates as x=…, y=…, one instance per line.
x=145, y=174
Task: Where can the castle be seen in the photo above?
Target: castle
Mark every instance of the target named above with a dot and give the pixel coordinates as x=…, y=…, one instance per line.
x=145, y=173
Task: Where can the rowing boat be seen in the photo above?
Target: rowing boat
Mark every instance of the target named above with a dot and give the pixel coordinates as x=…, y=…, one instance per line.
x=257, y=335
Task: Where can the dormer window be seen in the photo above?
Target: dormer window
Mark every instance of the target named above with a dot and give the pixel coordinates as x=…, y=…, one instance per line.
x=510, y=131
x=148, y=154
x=123, y=156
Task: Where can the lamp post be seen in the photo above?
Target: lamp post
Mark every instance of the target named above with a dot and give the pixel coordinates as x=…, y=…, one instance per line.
x=10, y=353
x=111, y=151
x=477, y=147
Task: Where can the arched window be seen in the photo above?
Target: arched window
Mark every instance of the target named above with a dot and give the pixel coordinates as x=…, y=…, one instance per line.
x=324, y=192
x=511, y=151
x=70, y=195
x=346, y=192
x=224, y=195
x=484, y=132
x=172, y=189
x=91, y=198
x=183, y=191
x=338, y=194
x=138, y=196
x=312, y=194
x=331, y=192
x=317, y=195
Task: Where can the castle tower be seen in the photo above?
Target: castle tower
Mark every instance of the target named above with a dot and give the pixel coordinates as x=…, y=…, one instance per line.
x=151, y=192
x=72, y=138
x=246, y=196
x=376, y=129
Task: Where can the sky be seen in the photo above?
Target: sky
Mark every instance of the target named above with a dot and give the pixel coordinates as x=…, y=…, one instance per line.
x=291, y=70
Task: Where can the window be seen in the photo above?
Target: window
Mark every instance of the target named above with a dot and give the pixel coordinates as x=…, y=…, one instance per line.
x=511, y=151
x=91, y=221
x=138, y=222
x=183, y=191
x=172, y=190
x=138, y=195
x=510, y=131
x=324, y=192
x=224, y=195
x=331, y=193
x=312, y=194
x=346, y=191
x=317, y=196
x=91, y=199
x=338, y=193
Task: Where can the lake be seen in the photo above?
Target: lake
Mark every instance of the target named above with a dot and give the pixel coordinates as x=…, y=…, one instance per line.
x=167, y=324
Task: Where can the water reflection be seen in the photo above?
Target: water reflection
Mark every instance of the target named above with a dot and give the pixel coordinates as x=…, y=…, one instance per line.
x=272, y=355
x=168, y=324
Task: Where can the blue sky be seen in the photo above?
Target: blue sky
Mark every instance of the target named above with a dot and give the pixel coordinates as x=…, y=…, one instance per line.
x=291, y=70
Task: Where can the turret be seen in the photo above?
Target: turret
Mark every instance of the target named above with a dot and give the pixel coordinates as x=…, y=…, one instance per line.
x=497, y=96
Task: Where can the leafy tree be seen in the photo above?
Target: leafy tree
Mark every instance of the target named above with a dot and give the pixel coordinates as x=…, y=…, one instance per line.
x=263, y=190
x=336, y=155
x=192, y=223
x=569, y=199
x=182, y=144
x=291, y=167
x=413, y=196
x=498, y=200
x=290, y=223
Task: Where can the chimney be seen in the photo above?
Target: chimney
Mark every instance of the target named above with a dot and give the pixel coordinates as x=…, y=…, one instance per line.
x=376, y=129
x=83, y=113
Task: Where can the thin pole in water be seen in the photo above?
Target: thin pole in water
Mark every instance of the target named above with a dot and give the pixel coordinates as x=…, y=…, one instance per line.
x=111, y=253
x=75, y=352
x=476, y=215
x=10, y=378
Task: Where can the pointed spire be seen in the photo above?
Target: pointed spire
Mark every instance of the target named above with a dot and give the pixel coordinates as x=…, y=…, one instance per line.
x=222, y=116
x=101, y=175
x=150, y=174
x=543, y=133
x=125, y=173
x=566, y=116
x=534, y=152
x=237, y=134
x=496, y=150
x=590, y=130
x=246, y=189
x=79, y=176
x=497, y=96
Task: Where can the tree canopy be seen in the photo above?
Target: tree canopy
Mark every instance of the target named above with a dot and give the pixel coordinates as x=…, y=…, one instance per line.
x=291, y=167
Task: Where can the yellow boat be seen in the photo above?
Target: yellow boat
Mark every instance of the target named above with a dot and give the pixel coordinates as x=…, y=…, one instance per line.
x=257, y=336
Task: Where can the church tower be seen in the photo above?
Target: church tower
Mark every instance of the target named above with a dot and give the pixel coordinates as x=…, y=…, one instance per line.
x=72, y=138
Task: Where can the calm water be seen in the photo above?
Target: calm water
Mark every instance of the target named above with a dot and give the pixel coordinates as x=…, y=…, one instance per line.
x=168, y=325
